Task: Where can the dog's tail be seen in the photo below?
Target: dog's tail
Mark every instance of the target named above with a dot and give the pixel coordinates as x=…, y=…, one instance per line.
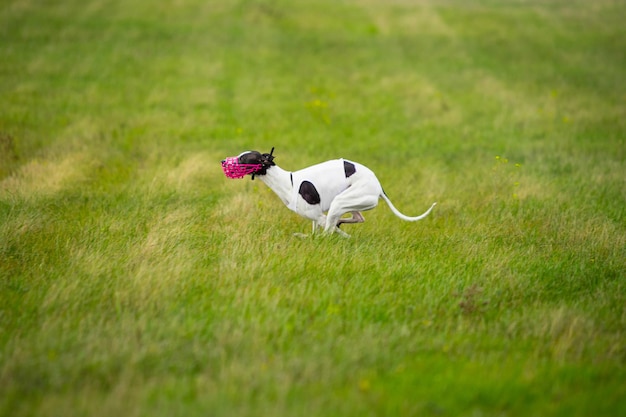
x=402, y=216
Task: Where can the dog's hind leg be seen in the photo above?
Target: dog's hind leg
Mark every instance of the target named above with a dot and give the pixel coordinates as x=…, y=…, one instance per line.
x=348, y=202
x=357, y=217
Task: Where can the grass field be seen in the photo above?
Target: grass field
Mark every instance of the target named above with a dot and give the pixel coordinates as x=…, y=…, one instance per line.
x=136, y=280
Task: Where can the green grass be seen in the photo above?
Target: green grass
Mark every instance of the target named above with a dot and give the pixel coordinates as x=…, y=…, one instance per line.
x=136, y=280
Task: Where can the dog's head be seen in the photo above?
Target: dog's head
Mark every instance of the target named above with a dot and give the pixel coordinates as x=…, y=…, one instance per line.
x=248, y=163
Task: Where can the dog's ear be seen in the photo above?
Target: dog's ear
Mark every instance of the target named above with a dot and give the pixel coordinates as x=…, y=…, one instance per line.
x=268, y=159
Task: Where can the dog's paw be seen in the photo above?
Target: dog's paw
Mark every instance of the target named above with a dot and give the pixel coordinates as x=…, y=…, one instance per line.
x=338, y=232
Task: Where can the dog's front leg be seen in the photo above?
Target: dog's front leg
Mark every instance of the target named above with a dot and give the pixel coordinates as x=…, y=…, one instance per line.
x=320, y=223
x=315, y=224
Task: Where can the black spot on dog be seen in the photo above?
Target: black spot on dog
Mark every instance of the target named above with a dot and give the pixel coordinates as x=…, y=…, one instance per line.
x=349, y=168
x=309, y=193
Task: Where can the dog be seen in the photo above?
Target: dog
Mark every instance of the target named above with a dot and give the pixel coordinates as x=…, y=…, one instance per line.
x=334, y=187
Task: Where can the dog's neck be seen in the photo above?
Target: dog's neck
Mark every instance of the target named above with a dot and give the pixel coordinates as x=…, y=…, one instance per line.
x=279, y=181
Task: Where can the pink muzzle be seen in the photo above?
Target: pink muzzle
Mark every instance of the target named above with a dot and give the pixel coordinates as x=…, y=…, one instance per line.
x=233, y=169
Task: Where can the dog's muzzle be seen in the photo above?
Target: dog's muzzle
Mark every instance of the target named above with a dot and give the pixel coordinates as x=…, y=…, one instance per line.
x=233, y=169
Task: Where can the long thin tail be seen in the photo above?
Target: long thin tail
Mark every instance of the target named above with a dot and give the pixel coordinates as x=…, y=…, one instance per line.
x=402, y=216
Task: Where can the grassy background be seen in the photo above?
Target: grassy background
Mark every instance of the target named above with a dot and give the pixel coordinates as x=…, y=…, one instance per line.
x=137, y=280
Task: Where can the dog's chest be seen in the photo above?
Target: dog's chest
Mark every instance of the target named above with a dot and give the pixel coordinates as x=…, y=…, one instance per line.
x=321, y=183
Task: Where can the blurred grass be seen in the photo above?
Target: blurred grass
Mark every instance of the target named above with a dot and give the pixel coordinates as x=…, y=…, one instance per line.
x=137, y=280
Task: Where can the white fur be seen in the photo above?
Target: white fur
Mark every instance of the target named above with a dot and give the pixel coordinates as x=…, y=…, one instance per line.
x=339, y=195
